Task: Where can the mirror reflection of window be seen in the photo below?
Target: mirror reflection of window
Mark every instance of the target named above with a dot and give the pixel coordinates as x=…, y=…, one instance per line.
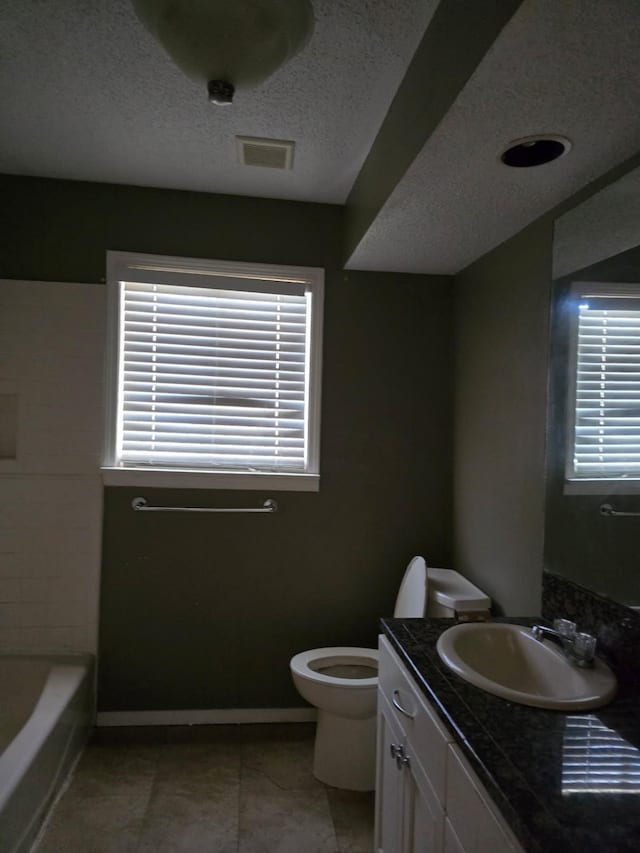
x=597, y=760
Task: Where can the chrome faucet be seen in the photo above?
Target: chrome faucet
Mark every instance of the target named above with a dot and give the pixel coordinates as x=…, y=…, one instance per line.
x=578, y=648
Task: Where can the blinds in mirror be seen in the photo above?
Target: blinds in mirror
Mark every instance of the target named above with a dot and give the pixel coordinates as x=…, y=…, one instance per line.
x=607, y=387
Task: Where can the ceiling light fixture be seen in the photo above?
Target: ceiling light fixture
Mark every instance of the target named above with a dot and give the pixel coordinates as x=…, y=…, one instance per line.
x=228, y=44
x=535, y=151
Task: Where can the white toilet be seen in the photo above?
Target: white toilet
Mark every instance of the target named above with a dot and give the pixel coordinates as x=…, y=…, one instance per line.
x=342, y=682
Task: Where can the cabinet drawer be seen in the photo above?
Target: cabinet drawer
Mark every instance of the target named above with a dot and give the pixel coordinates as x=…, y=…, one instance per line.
x=477, y=826
x=427, y=737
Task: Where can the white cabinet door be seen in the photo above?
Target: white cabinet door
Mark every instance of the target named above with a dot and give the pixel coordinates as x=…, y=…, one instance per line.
x=426, y=734
x=423, y=777
x=388, y=782
x=423, y=823
x=409, y=818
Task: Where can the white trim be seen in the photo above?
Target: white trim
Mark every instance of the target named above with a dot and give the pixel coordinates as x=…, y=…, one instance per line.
x=120, y=263
x=572, y=366
x=606, y=488
x=206, y=716
x=199, y=271
x=167, y=478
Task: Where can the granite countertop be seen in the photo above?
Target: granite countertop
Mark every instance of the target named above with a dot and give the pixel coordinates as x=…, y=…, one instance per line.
x=543, y=769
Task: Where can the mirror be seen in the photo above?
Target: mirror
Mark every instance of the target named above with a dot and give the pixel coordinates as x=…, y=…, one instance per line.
x=597, y=241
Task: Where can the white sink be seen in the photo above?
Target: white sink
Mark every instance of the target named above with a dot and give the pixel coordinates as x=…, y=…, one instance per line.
x=506, y=660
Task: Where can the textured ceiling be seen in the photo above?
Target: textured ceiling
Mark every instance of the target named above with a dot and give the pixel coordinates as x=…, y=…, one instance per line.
x=569, y=68
x=604, y=225
x=87, y=94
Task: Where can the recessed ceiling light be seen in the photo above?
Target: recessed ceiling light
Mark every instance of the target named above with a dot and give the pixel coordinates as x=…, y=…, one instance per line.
x=535, y=151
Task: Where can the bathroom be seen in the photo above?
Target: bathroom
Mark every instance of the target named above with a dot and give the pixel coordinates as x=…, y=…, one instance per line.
x=429, y=445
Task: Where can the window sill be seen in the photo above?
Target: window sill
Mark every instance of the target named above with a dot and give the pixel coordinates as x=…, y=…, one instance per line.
x=605, y=488
x=164, y=478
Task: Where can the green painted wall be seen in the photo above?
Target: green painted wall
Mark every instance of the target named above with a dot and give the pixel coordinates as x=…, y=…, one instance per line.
x=510, y=517
x=204, y=611
x=502, y=339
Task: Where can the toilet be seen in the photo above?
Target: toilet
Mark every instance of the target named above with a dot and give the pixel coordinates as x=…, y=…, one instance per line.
x=342, y=682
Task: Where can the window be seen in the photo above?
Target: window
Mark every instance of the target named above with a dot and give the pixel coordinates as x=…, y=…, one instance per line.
x=214, y=373
x=605, y=384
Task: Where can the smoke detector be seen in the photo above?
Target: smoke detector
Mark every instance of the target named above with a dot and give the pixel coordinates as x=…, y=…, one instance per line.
x=269, y=153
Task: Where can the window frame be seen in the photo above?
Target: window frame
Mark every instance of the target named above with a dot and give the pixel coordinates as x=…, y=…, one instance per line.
x=573, y=485
x=122, y=266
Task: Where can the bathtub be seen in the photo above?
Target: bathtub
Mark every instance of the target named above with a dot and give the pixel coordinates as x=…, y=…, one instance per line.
x=46, y=710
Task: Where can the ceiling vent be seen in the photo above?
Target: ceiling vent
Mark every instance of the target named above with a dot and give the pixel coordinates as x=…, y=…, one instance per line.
x=269, y=153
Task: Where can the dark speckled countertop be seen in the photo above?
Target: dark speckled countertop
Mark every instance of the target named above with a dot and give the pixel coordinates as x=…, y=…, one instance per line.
x=542, y=768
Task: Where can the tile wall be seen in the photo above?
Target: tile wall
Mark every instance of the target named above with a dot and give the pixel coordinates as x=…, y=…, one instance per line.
x=51, y=368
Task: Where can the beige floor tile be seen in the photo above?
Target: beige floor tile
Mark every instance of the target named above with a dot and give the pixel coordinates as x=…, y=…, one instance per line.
x=190, y=824
x=198, y=768
x=94, y=825
x=122, y=770
x=204, y=734
x=283, y=756
x=277, y=731
x=353, y=815
x=214, y=789
x=284, y=821
x=128, y=735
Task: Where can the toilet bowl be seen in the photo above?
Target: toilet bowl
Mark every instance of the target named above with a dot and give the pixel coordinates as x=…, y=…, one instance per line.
x=342, y=681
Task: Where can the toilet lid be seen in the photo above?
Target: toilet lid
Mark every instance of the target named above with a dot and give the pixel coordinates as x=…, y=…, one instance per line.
x=412, y=596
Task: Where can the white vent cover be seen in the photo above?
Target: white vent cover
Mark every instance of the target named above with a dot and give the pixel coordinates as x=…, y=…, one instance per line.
x=269, y=153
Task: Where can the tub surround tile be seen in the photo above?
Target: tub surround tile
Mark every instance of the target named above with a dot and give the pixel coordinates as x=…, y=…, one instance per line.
x=518, y=752
x=51, y=493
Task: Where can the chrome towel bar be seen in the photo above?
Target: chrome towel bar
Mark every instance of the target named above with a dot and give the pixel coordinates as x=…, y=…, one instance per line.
x=141, y=505
x=608, y=510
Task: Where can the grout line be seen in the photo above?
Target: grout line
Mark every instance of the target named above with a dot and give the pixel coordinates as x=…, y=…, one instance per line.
x=240, y=743
x=152, y=788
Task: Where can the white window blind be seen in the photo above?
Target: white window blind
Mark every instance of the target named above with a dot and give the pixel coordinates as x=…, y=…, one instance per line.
x=215, y=376
x=607, y=388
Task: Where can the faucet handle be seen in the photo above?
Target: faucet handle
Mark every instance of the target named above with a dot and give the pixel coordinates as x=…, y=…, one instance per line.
x=565, y=628
x=583, y=648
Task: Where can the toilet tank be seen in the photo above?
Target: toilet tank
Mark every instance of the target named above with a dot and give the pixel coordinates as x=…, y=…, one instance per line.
x=450, y=593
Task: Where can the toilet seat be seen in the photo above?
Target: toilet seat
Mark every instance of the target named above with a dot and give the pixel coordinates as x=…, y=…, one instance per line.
x=309, y=665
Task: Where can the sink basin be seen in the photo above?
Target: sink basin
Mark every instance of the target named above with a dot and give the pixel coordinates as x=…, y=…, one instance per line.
x=506, y=660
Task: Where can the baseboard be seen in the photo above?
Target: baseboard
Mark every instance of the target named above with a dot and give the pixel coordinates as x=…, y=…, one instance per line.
x=205, y=716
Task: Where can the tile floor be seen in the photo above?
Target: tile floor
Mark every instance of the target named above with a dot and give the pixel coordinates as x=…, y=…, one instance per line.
x=205, y=789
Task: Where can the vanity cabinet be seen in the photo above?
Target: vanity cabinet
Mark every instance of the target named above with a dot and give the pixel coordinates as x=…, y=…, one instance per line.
x=428, y=799
x=409, y=815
